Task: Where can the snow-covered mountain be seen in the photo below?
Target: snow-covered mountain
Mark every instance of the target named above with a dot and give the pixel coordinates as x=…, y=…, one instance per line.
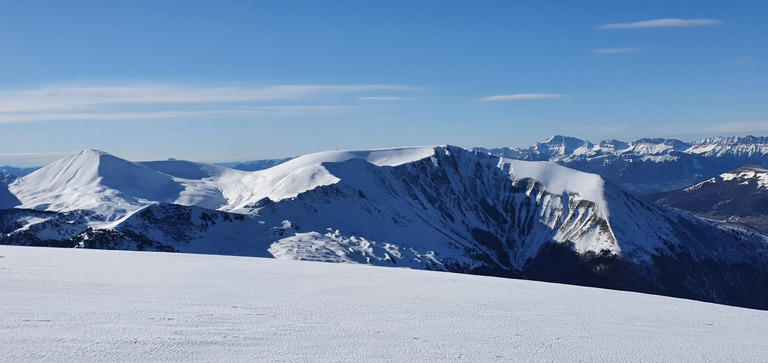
x=739, y=196
x=647, y=166
x=731, y=147
x=441, y=208
x=97, y=181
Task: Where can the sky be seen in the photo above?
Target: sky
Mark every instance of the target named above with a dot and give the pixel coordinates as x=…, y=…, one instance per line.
x=221, y=81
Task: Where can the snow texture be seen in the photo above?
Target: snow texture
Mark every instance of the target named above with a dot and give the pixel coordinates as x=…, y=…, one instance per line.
x=91, y=305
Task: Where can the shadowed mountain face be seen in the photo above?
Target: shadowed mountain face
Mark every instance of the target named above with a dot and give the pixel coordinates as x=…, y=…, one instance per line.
x=6, y=178
x=739, y=196
x=16, y=172
x=647, y=166
x=442, y=208
x=7, y=199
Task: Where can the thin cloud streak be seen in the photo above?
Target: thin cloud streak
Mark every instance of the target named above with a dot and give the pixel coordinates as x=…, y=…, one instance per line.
x=617, y=50
x=62, y=98
x=250, y=112
x=522, y=97
x=387, y=98
x=662, y=23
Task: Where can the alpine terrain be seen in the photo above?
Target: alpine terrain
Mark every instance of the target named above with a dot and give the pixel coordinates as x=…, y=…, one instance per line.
x=437, y=208
x=739, y=196
x=647, y=166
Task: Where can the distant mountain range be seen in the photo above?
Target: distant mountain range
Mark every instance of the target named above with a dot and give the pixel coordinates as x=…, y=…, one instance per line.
x=440, y=208
x=254, y=165
x=7, y=173
x=739, y=196
x=644, y=166
x=647, y=166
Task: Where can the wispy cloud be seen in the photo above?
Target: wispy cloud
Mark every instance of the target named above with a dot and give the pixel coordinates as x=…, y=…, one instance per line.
x=617, y=50
x=381, y=98
x=161, y=101
x=249, y=112
x=522, y=97
x=661, y=23
x=81, y=97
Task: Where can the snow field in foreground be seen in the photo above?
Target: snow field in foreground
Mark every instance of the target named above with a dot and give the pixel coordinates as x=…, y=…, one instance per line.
x=91, y=305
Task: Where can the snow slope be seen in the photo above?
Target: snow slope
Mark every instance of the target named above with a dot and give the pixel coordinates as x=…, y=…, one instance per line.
x=307, y=172
x=88, y=305
x=96, y=181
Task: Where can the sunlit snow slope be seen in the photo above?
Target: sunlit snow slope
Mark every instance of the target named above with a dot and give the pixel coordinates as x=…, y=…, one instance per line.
x=96, y=181
x=438, y=208
x=86, y=305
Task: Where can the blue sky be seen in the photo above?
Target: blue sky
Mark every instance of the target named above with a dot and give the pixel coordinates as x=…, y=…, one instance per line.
x=239, y=80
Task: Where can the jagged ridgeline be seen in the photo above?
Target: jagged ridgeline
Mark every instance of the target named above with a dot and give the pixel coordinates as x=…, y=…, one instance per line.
x=647, y=166
x=440, y=208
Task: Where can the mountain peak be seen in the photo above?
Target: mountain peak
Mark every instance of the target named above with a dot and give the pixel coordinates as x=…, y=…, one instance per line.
x=93, y=179
x=562, y=139
x=563, y=145
x=90, y=151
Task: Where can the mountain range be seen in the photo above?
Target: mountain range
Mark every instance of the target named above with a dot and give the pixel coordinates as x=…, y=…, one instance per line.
x=646, y=166
x=254, y=165
x=439, y=208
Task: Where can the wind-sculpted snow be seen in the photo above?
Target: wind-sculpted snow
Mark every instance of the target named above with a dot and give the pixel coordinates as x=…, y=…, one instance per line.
x=115, y=306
